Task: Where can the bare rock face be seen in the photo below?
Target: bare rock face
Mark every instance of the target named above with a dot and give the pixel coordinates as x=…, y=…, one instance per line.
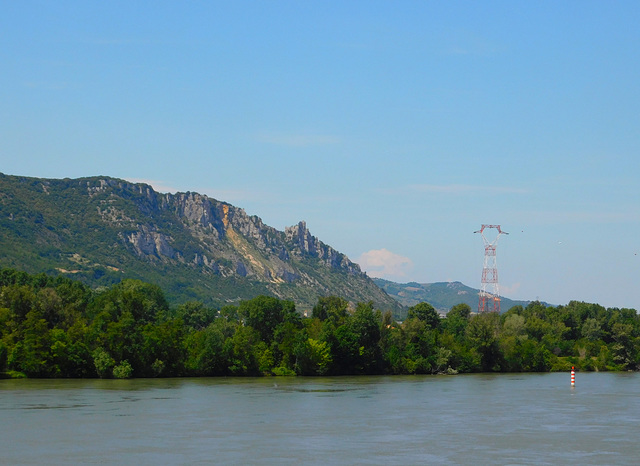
x=197, y=210
x=188, y=238
x=151, y=243
x=300, y=237
x=228, y=241
x=234, y=243
x=306, y=244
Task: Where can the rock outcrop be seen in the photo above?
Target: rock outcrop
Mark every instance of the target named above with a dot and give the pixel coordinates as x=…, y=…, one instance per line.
x=194, y=246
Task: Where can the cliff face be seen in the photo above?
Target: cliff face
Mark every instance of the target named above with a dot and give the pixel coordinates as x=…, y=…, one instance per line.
x=104, y=229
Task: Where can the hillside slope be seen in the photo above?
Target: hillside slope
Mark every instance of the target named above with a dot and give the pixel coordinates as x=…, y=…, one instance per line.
x=442, y=295
x=101, y=230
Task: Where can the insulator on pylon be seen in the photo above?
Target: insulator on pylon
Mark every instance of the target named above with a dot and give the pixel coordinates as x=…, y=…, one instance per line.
x=489, y=272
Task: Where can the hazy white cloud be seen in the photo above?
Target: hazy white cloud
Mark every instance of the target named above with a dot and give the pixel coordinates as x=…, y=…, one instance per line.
x=382, y=263
x=509, y=291
x=296, y=140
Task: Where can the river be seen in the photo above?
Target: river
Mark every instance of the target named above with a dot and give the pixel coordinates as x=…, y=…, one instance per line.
x=403, y=420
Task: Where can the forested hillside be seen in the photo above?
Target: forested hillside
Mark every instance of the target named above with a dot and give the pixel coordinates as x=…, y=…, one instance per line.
x=441, y=295
x=102, y=230
x=58, y=327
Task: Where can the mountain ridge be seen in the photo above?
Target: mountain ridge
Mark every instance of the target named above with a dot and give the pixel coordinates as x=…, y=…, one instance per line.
x=101, y=229
x=441, y=295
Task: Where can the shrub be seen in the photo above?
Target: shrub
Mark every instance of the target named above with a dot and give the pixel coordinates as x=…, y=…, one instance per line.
x=123, y=370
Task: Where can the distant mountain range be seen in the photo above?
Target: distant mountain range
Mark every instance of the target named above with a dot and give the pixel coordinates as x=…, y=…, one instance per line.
x=100, y=230
x=442, y=295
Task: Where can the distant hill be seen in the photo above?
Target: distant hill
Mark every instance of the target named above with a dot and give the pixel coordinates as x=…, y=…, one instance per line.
x=100, y=230
x=442, y=295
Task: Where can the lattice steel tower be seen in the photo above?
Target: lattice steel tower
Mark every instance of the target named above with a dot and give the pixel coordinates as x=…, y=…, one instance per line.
x=489, y=290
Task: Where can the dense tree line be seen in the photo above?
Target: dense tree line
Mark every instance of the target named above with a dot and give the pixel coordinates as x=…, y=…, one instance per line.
x=57, y=327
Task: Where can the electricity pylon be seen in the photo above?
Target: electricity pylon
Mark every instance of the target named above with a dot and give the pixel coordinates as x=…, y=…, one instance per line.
x=489, y=290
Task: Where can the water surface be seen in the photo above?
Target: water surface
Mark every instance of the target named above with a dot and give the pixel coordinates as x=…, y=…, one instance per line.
x=463, y=419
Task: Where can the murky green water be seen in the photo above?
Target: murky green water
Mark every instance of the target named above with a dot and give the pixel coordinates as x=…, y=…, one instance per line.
x=464, y=419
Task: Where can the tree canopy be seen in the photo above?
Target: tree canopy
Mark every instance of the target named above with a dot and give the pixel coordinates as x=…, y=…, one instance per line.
x=57, y=327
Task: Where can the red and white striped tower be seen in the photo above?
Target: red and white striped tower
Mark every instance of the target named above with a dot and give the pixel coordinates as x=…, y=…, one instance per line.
x=489, y=290
x=573, y=376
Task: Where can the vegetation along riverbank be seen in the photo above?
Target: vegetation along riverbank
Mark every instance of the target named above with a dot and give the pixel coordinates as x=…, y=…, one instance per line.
x=58, y=327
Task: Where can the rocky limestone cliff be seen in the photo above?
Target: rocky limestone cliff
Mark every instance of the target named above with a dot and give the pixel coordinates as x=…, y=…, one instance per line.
x=190, y=242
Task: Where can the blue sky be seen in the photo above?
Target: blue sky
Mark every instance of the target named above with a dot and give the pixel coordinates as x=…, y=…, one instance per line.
x=394, y=129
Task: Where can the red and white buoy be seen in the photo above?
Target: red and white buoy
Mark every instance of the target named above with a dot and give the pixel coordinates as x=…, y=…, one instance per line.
x=573, y=376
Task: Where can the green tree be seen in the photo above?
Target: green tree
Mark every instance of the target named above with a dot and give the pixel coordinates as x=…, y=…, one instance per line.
x=345, y=351
x=18, y=299
x=229, y=313
x=284, y=343
x=331, y=307
x=442, y=358
x=457, y=319
x=419, y=348
x=31, y=355
x=365, y=324
x=591, y=329
x=208, y=351
x=69, y=357
x=123, y=340
x=482, y=334
x=49, y=303
x=624, y=348
x=313, y=357
x=162, y=344
x=514, y=325
x=426, y=313
x=3, y=356
x=264, y=313
x=123, y=370
x=196, y=315
x=103, y=362
x=245, y=349
x=142, y=301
